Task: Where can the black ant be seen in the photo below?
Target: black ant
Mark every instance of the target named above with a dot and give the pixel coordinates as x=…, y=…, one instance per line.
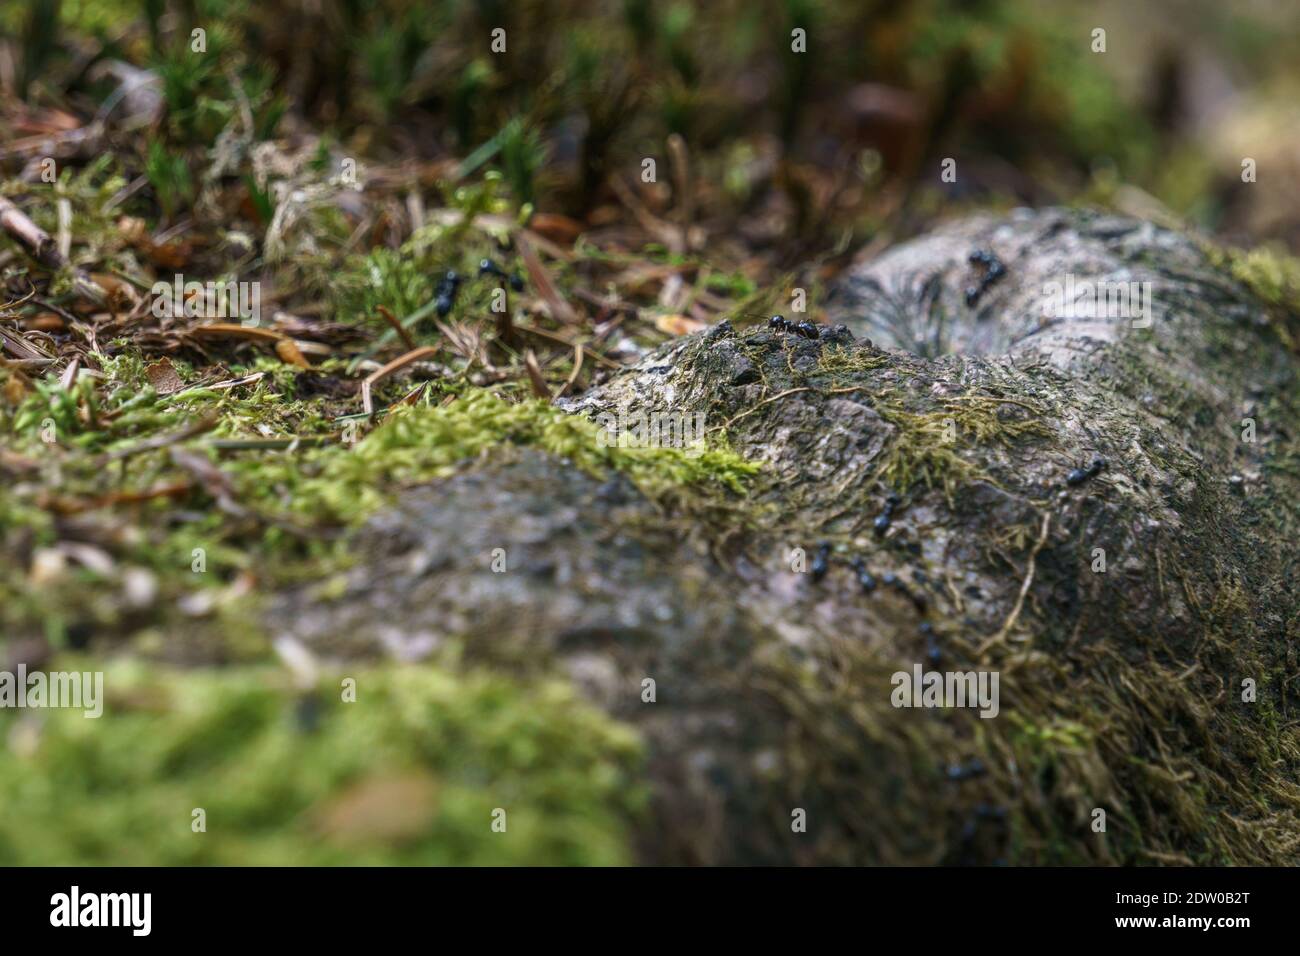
x=883, y=520
x=918, y=600
x=933, y=653
x=486, y=267
x=996, y=818
x=779, y=323
x=1078, y=476
x=864, y=576
x=446, y=290
x=972, y=768
x=820, y=563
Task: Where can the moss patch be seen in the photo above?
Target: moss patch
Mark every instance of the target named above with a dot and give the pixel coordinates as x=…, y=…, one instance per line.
x=923, y=449
x=419, y=444
x=409, y=773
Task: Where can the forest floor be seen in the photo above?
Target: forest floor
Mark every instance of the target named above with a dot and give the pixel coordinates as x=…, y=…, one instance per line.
x=216, y=312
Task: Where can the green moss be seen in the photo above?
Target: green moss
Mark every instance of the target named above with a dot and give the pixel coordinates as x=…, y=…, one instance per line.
x=423, y=443
x=924, y=446
x=409, y=773
x=382, y=277
x=1272, y=276
x=838, y=360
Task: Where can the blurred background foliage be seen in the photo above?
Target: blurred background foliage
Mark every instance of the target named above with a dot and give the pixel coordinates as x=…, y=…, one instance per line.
x=849, y=133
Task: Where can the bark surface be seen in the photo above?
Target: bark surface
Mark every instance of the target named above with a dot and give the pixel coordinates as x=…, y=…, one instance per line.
x=942, y=385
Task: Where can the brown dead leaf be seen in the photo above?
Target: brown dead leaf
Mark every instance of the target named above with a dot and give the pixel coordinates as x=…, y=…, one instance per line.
x=15, y=389
x=170, y=255
x=391, y=808
x=677, y=324
x=289, y=352
x=556, y=227
x=45, y=322
x=132, y=228
x=164, y=378
x=173, y=254
x=47, y=120
x=119, y=296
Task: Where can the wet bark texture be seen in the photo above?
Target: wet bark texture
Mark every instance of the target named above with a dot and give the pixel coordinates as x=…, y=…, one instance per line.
x=942, y=385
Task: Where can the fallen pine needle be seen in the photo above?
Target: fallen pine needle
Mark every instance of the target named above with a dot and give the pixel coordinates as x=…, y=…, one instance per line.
x=1001, y=635
x=397, y=327
x=535, y=376
x=382, y=373
x=560, y=310
x=204, y=424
